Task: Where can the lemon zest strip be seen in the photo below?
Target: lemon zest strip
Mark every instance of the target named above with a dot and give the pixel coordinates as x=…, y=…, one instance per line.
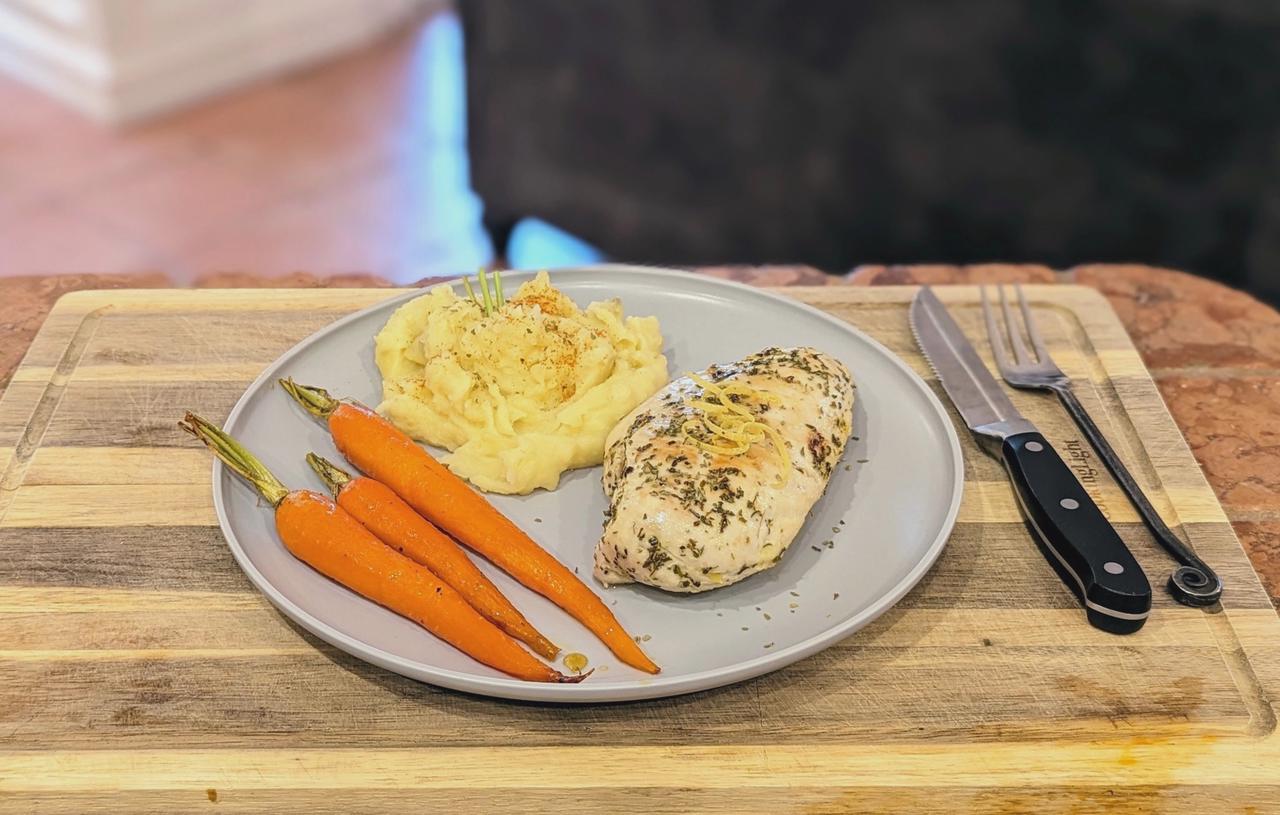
x=734, y=423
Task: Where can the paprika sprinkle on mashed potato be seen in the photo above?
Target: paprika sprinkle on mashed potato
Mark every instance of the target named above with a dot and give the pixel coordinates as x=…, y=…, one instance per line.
x=520, y=390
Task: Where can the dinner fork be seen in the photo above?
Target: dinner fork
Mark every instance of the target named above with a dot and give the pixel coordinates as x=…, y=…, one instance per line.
x=1193, y=583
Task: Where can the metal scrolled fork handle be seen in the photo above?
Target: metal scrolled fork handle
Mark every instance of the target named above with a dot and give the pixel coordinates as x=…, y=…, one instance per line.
x=1193, y=583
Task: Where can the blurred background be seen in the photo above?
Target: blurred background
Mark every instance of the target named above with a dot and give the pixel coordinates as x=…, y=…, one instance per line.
x=413, y=138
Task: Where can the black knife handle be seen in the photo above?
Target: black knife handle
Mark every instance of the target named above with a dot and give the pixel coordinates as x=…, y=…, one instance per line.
x=1077, y=540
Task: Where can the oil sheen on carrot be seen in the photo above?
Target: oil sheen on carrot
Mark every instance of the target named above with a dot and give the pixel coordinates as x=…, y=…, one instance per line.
x=331, y=541
x=382, y=451
x=399, y=525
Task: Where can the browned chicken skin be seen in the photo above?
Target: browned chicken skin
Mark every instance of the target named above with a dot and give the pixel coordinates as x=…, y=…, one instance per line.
x=688, y=520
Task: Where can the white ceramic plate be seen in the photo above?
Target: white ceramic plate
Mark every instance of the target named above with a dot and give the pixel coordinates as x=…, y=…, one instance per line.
x=897, y=508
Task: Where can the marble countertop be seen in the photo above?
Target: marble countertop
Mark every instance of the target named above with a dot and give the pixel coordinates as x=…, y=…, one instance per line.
x=1214, y=353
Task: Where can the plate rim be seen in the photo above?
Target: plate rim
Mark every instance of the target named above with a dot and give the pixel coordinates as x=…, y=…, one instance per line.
x=642, y=688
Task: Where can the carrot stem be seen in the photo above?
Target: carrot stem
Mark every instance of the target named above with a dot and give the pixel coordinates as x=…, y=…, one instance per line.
x=234, y=455
x=317, y=401
x=331, y=474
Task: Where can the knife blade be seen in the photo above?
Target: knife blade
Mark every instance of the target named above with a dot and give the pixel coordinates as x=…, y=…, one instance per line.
x=1070, y=530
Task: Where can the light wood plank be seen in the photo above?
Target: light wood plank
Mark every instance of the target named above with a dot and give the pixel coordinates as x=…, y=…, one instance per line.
x=239, y=372
x=807, y=800
x=120, y=466
x=1189, y=762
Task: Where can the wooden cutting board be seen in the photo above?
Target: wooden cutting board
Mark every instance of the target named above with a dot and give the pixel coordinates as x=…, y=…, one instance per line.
x=140, y=672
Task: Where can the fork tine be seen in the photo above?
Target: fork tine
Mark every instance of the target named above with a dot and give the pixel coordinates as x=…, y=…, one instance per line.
x=997, y=341
x=1042, y=353
x=1015, y=335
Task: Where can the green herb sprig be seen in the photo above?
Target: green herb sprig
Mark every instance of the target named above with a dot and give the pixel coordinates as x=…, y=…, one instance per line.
x=491, y=296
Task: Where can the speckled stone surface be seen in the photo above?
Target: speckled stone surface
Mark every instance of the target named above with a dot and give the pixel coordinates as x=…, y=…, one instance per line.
x=1213, y=351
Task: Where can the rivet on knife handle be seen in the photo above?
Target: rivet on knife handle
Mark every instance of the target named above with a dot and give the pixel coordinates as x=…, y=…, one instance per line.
x=1079, y=542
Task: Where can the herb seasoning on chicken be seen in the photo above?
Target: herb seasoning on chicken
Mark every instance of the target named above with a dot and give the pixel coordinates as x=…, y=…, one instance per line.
x=711, y=478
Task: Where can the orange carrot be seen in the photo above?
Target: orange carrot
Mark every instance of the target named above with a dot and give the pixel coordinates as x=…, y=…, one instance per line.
x=328, y=539
x=383, y=452
x=383, y=513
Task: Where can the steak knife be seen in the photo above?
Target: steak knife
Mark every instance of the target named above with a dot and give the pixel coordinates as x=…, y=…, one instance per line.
x=1072, y=533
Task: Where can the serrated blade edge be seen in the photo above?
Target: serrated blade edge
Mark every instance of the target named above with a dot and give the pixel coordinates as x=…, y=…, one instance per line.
x=970, y=386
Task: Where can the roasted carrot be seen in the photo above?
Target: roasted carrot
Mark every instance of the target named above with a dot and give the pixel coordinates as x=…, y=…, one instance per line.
x=328, y=539
x=383, y=452
x=399, y=525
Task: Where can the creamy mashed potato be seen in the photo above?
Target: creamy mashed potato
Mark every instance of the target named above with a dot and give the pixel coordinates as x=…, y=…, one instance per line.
x=522, y=395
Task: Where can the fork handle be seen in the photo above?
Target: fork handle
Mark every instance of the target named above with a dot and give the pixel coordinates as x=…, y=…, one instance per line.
x=1193, y=583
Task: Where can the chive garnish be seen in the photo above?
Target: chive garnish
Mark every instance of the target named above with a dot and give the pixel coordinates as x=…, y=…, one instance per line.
x=484, y=292
x=491, y=296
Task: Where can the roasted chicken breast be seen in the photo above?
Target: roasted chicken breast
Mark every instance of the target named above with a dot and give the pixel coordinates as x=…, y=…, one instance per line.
x=694, y=506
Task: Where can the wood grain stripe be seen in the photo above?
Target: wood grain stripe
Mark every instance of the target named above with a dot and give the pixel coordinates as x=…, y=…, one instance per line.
x=242, y=301
x=141, y=414
x=54, y=655
x=1189, y=762
x=191, y=464
x=326, y=698
x=166, y=559
x=799, y=799
x=36, y=599
x=240, y=372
